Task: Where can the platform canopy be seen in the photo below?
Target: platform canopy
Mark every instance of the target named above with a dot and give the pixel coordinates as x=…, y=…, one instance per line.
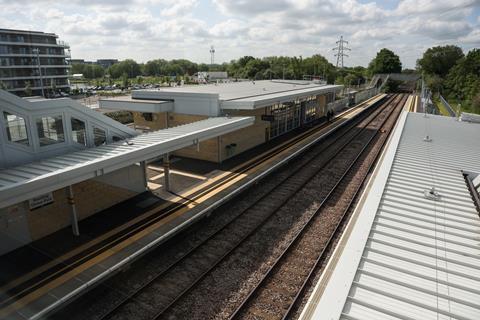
x=412, y=251
x=28, y=181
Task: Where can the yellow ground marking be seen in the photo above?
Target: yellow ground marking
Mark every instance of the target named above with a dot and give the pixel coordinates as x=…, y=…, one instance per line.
x=180, y=173
x=153, y=186
x=158, y=176
x=416, y=104
x=95, y=241
x=107, y=253
x=408, y=103
x=135, y=220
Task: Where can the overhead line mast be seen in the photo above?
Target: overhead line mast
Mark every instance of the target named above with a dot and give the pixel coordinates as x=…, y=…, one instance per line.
x=212, y=55
x=341, y=48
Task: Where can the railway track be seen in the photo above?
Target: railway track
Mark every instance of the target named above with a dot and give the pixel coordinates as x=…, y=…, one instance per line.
x=30, y=285
x=157, y=297
x=282, y=286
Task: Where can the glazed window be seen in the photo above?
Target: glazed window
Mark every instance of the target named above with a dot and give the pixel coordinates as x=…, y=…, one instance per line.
x=50, y=130
x=79, y=132
x=16, y=128
x=99, y=137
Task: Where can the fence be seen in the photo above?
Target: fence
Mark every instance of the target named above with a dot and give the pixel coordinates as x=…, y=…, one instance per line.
x=365, y=94
x=338, y=105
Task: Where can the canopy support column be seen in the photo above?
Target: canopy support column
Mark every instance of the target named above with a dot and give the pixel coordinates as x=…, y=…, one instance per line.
x=166, y=171
x=73, y=211
x=143, y=166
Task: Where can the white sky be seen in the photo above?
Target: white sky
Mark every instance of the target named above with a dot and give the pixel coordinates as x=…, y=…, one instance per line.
x=169, y=29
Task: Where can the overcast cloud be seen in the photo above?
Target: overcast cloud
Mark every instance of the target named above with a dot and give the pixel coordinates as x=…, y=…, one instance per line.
x=150, y=29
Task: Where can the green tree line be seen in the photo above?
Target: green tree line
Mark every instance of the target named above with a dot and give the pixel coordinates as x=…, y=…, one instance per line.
x=453, y=74
x=247, y=67
x=447, y=70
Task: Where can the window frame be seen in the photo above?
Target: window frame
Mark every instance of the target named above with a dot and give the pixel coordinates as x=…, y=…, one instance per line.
x=94, y=126
x=53, y=145
x=30, y=144
x=87, y=138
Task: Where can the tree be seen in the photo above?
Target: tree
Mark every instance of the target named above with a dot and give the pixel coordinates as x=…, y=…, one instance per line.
x=435, y=83
x=463, y=80
x=125, y=81
x=476, y=103
x=439, y=60
x=386, y=61
x=53, y=85
x=89, y=71
x=28, y=89
x=129, y=67
x=392, y=86
x=255, y=68
x=78, y=68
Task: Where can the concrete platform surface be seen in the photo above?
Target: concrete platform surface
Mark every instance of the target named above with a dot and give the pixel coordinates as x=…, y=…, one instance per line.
x=53, y=270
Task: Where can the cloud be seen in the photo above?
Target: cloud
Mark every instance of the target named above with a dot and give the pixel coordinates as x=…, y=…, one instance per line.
x=180, y=7
x=434, y=6
x=148, y=29
x=249, y=8
x=230, y=28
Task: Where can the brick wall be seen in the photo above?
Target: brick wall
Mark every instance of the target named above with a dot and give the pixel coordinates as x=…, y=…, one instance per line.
x=209, y=149
x=245, y=138
x=159, y=120
x=90, y=197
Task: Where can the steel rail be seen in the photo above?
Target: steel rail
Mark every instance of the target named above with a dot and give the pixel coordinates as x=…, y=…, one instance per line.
x=297, y=237
x=115, y=239
x=231, y=222
x=192, y=285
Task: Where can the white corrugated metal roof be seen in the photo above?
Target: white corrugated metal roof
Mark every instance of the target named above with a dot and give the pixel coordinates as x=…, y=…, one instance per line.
x=243, y=89
x=418, y=258
x=30, y=180
x=268, y=98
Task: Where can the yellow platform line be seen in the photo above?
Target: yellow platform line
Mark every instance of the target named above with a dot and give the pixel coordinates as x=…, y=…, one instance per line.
x=107, y=253
x=408, y=103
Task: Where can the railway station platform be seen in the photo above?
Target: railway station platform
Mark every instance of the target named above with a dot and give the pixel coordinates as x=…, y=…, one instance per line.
x=61, y=267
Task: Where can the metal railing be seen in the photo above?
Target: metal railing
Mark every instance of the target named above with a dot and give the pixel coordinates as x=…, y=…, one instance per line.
x=447, y=106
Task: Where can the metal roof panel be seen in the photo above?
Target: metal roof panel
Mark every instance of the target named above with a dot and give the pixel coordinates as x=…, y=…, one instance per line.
x=56, y=172
x=419, y=258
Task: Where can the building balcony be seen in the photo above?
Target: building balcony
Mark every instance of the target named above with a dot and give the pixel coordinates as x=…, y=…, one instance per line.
x=59, y=44
x=35, y=77
x=32, y=55
x=34, y=66
x=59, y=86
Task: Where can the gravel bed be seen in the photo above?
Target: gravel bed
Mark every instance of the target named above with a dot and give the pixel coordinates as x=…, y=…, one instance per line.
x=217, y=295
x=102, y=298
x=277, y=293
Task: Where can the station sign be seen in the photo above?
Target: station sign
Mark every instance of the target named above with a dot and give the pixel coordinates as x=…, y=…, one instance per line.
x=268, y=117
x=40, y=201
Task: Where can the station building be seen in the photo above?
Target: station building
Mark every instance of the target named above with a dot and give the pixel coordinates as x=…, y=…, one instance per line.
x=278, y=107
x=61, y=162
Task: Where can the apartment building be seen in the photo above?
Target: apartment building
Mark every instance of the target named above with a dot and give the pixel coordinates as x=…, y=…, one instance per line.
x=33, y=63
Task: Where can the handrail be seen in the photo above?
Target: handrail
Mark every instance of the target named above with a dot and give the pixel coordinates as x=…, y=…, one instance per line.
x=447, y=106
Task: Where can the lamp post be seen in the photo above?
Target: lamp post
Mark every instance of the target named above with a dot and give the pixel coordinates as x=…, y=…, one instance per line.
x=36, y=51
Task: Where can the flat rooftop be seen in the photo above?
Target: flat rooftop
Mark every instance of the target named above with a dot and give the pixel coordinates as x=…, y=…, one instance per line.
x=31, y=32
x=246, y=89
x=138, y=105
